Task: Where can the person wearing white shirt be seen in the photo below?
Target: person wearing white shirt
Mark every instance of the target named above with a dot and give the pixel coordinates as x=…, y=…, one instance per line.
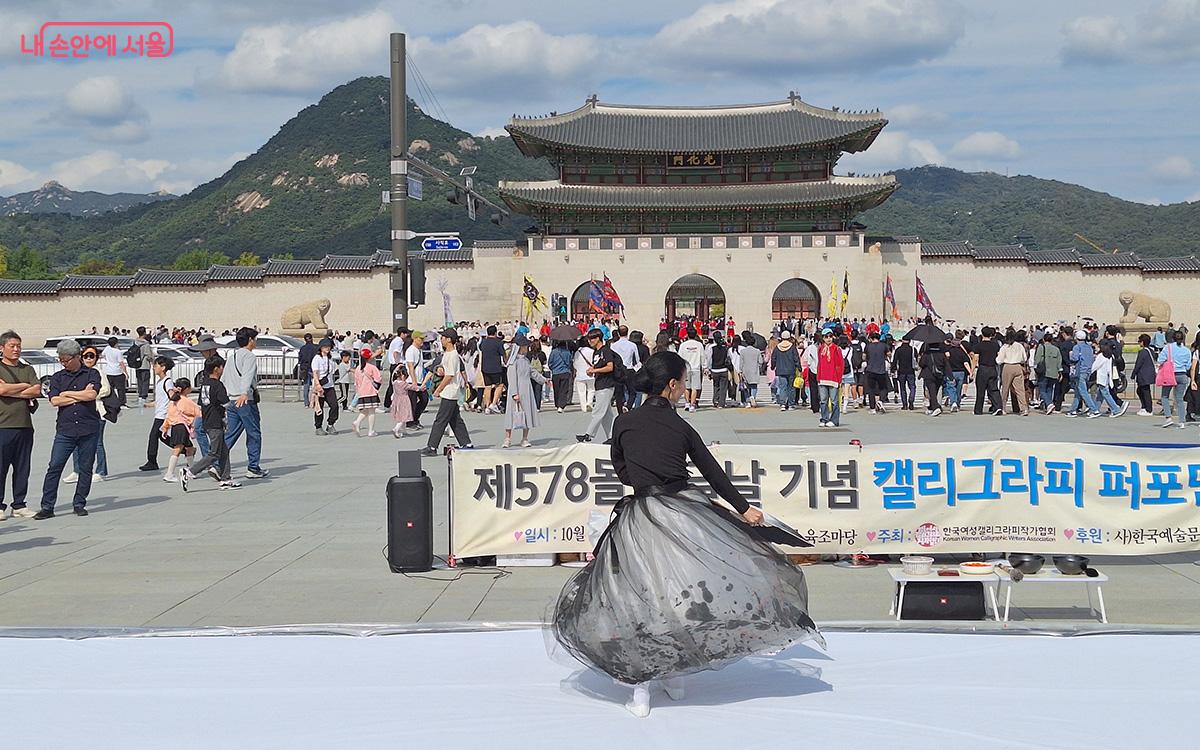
x=693, y=353
x=585, y=385
x=1102, y=366
x=394, y=358
x=112, y=365
x=628, y=352
x=414, y=362
x=809, y=359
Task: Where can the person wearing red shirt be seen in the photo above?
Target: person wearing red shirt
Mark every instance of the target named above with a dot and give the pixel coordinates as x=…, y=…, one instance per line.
x=545, y=329
x=731, y=328
x=872, y=327
x=830, y=367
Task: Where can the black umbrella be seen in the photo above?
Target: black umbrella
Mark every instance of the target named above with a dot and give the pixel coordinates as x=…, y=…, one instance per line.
x=564, y=333
x=926, y=333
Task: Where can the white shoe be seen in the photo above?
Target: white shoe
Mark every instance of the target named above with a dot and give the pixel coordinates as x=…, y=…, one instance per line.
x=171, y=479
x=1124, y=408
x=560, y=411
x=639, y=704
x=674, y=688
x=22, y=513
x=183, y=478
x=1144, y=413
x=97, y=478
x=71, y=478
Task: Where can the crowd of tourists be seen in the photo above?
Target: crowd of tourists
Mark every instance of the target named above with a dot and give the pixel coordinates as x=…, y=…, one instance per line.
x=514, y=371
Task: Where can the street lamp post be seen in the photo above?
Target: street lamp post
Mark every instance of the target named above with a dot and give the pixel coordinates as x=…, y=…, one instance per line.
x=398, y=166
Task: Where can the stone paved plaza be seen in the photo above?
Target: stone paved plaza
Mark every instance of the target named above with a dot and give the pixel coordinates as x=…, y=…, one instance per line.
x=306, y=544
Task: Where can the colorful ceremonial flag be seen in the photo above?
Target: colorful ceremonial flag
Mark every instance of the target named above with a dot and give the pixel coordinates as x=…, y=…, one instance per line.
x=612, y=300
x=923, y=298
x=845, y=294
x=533, y=298
x=833, y=297
x=890, y=297
x=596, y=297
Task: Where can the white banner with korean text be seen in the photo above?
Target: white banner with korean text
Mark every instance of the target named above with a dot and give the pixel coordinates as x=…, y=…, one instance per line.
x=931, y=497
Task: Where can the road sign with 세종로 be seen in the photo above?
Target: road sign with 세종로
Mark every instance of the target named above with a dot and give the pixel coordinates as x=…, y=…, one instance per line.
x=441, y=243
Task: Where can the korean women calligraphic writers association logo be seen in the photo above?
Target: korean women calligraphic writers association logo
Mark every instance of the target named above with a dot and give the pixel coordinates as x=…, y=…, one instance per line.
x=928, y=535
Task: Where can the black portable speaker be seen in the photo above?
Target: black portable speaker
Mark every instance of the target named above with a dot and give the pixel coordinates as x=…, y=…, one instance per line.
x=410, y=524
x=934, y=600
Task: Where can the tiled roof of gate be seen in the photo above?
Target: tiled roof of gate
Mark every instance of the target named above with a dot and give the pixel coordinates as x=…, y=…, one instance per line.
x=867, y=191
x=618, y=128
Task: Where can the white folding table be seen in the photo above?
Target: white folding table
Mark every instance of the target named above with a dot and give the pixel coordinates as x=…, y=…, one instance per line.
x=991, y=582
x=1052, y=575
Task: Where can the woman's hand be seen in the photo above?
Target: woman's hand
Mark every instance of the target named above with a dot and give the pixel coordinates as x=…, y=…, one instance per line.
x=753, y=516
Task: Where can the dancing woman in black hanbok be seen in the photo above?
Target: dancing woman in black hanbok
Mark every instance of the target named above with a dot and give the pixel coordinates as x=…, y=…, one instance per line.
x=678, y=584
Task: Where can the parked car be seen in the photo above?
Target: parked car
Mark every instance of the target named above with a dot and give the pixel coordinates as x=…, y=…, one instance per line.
x=188, y=364
x=276, y=354
x=97, y=340
x=44, y=365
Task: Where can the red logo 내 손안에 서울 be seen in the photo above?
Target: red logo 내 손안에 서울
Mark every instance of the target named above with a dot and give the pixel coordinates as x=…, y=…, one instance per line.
x=77, y=40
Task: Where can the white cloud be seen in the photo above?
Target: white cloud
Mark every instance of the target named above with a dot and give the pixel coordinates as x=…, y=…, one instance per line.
x=485, y=61
x=492, y=62
x=108, y=171
x=782, y=37
x=1096, y=40
x=987, y=145
x=893, y=149
x=493, y=132
x=1192, y=198
x=107, y=109
x=1174, y=169
x=910, y=115
x=307, y=58
x=12, y=173
x=1166, y=32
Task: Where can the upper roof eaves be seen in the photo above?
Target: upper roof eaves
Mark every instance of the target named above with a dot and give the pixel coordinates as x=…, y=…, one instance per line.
x=617, y=128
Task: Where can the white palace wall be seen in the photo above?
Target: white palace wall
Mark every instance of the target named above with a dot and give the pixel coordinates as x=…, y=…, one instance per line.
x=489, y=288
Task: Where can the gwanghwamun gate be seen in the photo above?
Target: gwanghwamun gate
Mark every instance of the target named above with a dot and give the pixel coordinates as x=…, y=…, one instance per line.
x=731, y=210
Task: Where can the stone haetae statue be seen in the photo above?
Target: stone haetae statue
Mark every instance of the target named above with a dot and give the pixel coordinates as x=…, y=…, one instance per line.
x=1140, y=306
x=308, y=317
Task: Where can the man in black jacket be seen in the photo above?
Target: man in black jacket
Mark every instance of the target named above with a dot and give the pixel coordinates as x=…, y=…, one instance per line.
x=304, y=367
x=1066, y=342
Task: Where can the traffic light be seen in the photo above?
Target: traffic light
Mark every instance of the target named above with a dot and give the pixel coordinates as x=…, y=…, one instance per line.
x=416, y=279
x=456, y=197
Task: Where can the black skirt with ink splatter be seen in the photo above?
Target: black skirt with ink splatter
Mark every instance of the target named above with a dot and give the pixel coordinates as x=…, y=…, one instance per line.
x=680, y=585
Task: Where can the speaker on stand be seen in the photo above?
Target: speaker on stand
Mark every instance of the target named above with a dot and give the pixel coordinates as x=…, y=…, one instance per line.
x=410, y=517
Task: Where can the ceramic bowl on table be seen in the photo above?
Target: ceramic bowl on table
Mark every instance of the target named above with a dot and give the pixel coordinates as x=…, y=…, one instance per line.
x=1070, y=565
x=1028, y=564
x=916, y=565
x=976, y=568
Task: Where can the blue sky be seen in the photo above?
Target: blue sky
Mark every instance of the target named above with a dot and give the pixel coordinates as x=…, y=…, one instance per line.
x=1100, y=93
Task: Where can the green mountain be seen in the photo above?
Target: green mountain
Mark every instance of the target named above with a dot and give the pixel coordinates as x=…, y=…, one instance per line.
x=314, y=188
x=937, y=203
x=53, y=198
